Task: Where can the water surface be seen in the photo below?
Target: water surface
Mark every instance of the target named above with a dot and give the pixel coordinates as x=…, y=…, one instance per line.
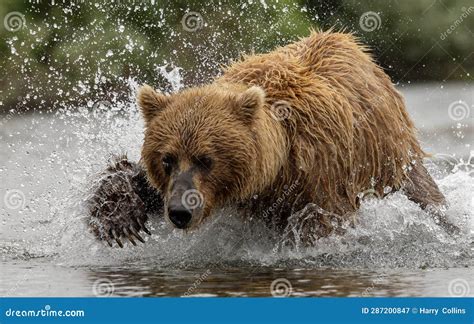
x=48, y=161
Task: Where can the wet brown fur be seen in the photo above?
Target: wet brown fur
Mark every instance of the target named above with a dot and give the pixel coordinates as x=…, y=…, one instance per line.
x=347, y=131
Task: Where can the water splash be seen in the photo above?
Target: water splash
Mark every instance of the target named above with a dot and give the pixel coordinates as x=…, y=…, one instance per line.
x=173, y=76
x=57, y=156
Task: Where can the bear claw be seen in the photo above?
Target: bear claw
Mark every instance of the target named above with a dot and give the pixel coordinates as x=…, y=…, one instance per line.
x=136, y=234
x=130, y=232
x=121, y=202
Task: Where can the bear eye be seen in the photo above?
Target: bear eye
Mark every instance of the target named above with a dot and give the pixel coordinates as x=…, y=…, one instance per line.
x=167, y=163
x=204, y=162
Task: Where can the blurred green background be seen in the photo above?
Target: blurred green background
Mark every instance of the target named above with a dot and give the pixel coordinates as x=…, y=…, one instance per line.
x=66, y=53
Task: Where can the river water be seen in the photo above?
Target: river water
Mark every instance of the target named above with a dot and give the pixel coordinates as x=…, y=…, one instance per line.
x=47, y=162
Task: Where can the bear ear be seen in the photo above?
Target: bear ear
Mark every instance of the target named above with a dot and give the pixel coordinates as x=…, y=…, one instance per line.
x=250, y=101
x=150, y=102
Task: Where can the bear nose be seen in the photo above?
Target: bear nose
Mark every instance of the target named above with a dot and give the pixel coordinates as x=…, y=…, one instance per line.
x=178, y=212
x=180, y=216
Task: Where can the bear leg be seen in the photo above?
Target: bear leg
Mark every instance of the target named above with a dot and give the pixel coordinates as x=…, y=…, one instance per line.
x=422, y=190
x=121, y=201
x=311, y=223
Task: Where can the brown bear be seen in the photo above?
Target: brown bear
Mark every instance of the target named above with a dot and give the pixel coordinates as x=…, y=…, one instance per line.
x=312, y=126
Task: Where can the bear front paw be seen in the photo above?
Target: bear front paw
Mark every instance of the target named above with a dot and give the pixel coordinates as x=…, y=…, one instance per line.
x=115, y=220
x=116, y=209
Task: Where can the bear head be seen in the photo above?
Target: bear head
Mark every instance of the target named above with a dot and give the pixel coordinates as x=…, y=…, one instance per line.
x=200, y=147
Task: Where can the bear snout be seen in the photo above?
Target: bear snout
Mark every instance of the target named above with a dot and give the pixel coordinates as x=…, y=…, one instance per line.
x=184, y=201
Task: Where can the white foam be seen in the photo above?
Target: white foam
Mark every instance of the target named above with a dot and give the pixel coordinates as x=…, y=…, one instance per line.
x=67, y=149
